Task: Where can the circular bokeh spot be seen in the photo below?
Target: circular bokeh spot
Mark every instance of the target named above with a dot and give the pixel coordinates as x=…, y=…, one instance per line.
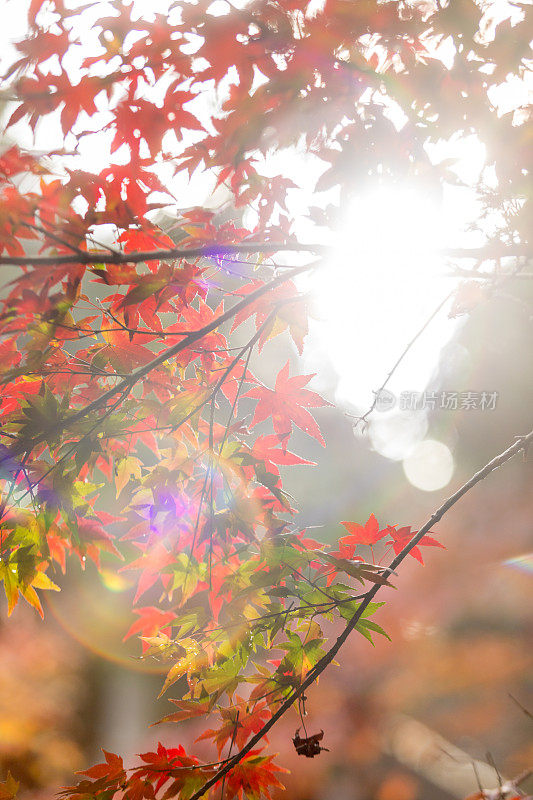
x=429, y=466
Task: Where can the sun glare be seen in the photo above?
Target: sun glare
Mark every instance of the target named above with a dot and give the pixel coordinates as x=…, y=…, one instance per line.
x=383, y=280
x=386, y=277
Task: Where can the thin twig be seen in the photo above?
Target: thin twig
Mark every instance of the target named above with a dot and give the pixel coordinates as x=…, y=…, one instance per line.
x=521, y=707
x=419, y=333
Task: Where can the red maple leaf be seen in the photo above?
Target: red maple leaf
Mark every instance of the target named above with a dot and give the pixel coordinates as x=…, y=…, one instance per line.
x=14, y=161
x=135, y=239
x=265, y=450
x=288, y=315
x=253, y=776
x=402, y=536
x=151, y=620
x=239, y=722
x=120, y=351
x=369, y=533
x=288, y=404
x=151, y=564
x=162, y=765
x=110, y=769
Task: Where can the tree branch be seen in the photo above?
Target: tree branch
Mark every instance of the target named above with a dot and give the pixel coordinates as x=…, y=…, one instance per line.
x=520, y=445
x=216, y=250
x=489, y=276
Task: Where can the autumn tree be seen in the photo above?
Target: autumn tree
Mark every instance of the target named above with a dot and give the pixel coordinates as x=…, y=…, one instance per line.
x=139, y=293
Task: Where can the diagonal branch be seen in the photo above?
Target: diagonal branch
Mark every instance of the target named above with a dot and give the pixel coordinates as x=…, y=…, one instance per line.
x=520, y=445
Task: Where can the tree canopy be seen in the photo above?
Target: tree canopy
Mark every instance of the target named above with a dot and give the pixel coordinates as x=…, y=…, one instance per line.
x=198, y=160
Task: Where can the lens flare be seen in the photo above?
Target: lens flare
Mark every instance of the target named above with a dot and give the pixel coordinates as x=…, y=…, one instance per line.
x=114, y=582
x=523, y=563
x=383, y=281
x=96, y=612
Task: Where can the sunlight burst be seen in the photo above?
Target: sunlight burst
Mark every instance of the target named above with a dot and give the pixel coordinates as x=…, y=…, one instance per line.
x=386, y=278
x=383, y=281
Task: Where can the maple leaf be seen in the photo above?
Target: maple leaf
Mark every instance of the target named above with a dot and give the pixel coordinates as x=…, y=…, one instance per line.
x=151, y=621
x=187, y=710
x=94, y=538
x=164, y=764
x=120, y=351
x=239, y=722
x=253, y=777
x=402, y=536
x=110, y=769
x=135, y=239
x=15, y=584
x=205, y=515
x=368, y=534
x=265, y=451
x=13, y=161
x=151, y=563
x=288, y=404
x=357, y=569
x=302, y=655
x=291, y=315
x=309, y=746
x=193, y=659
